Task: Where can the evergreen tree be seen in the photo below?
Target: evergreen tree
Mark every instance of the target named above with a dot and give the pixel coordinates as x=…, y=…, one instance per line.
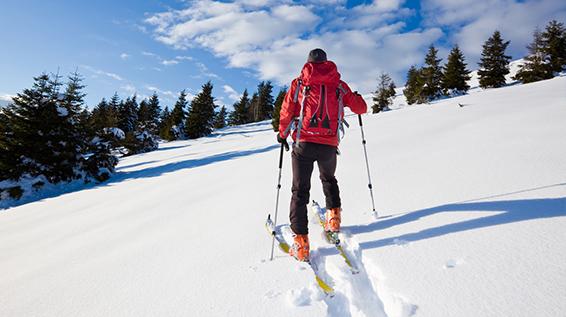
x=45, y=137
x=456, y=75
x=220, y=118
x=414, y=86
x=494, y=64
x=165, y=125
x=432, y=75
x=128, y=114
x=253, y=108
x=241, y=110
x=265, y=101
x=200, y=119
x=554, y=45
x=178, y=116
x=537, y=66
x=383, y=96
x=104, y=115
x=277, y=109
x=148, y=115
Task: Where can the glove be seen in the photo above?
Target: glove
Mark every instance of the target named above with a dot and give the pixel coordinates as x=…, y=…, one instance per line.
x=283, y=141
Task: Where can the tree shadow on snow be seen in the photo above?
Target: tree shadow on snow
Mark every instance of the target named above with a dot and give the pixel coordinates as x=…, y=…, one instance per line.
x=509, y=211
x=121, y=176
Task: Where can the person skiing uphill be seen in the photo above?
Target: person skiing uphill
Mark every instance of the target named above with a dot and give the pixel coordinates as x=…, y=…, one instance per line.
x=314, y=107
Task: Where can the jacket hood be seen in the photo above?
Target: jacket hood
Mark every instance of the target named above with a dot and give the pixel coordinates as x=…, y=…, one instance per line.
x=313, y=73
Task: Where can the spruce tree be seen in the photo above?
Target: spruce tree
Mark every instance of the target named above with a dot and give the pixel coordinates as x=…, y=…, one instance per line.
x=414, y=86
x=456, y=75
x=494, y=64
x=165, y=125
x=148, y=115
x=253, y=108
x=200, y=119
x=265, y=101
x=536, y=66
x=277, y=109
x=220, y=118
x=241, y=110
x=554, y=45
x=383, y=96
x=128, y=114
x=178, y=116
x=432, y=75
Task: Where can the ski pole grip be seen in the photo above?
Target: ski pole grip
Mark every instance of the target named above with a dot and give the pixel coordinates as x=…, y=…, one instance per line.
x=360, y=119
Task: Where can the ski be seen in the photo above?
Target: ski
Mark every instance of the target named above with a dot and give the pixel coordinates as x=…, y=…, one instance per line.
x=333, y=237
x=278, y=233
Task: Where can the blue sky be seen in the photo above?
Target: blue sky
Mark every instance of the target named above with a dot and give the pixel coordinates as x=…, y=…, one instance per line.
x=165, y=46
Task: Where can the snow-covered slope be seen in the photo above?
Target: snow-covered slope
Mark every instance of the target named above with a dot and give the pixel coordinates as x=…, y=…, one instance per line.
x=472, y=204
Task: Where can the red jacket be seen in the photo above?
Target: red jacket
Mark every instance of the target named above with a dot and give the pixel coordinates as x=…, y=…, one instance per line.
x=322, y=79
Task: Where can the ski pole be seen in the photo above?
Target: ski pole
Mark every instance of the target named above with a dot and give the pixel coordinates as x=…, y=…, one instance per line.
x=277, y=200
x=374, y=213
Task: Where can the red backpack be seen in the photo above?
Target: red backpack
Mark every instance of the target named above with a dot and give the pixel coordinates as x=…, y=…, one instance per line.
x=319, y=93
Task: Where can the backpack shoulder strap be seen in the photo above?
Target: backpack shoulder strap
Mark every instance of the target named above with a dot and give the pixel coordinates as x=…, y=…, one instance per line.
x=340, y=92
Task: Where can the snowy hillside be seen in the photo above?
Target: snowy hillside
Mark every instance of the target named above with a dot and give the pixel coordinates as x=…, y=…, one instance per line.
x=472, y=204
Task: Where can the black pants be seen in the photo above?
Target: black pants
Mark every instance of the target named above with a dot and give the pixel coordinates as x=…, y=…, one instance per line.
x=303, y=157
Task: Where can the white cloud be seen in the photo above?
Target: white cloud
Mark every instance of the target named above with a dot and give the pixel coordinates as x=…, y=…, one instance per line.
x=101, y=72
x=124, y=56
x=167, y=93
x=473, y=22
x=274, y=38
x=231, y=93
x=184, y=58
x=205, y=72
x=6, y=99
x=129, y=89
x=169, y=62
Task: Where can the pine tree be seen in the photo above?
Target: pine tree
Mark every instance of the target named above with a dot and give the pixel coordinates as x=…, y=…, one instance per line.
x=46, y=137
x=537, y=66
x=277, y=108
x=265, y=101
x=253, y=108
x=383, y=96
x=554, y=45
x=456, y=75
x=220, y=118
x=494, y=64
x=241, y=110
x=178, y=116
x=432, y=75
x=414, y=86
x=128, y=114
x=148, y=115
x=200, y=119
x=104, y=115
x=165, y=125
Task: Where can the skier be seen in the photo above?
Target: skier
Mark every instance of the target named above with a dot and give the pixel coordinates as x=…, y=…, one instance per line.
x=315, y=104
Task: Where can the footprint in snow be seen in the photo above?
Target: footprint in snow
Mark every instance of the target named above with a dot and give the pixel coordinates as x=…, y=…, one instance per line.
x=452, y=263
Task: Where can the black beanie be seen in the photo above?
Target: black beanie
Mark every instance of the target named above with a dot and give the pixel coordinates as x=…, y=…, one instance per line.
x=317, y=56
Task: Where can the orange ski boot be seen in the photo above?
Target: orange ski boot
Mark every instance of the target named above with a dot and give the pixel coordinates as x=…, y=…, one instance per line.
x=300, y=249
x=332, y=220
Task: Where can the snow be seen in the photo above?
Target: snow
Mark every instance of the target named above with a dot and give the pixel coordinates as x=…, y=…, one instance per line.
x=472, y=206
x=116, y=132
x=62, y=111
